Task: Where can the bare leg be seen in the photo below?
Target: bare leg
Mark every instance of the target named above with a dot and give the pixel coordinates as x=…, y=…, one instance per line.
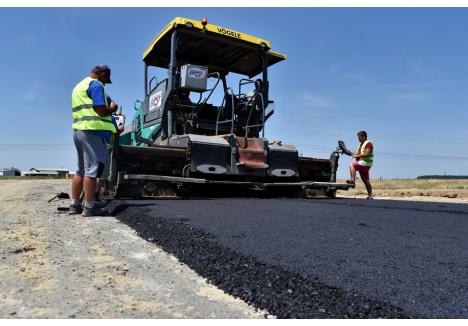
x=352, y=171
x=77, y=187
x=368, y=187
x=89, y=188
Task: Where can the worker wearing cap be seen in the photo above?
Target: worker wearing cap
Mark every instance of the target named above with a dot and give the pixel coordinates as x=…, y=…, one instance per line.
x=92, y=123
x=364, y=161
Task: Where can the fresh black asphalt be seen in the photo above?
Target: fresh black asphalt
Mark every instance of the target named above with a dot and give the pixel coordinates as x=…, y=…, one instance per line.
x=297, y=258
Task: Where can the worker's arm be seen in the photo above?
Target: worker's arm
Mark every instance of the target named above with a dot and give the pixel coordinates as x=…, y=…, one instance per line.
x=103, y=110
x=96, y=93
x=367, y=152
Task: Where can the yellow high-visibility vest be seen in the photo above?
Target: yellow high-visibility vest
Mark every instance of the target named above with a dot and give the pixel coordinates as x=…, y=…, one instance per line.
x=84, y=115
x=368, y=160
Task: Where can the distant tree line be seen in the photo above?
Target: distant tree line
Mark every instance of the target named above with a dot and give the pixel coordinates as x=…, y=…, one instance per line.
x=443, y=177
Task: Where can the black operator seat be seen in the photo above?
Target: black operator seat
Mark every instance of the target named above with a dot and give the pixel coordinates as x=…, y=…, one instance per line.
x=229, y=109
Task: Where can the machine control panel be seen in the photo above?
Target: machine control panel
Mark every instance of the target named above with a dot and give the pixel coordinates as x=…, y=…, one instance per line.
x=193, y=77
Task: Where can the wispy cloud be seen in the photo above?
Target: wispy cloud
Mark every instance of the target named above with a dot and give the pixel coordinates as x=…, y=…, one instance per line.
x=400, y=86
x=396, y=91
x=335, y=68
x=417, y=67
x=27, y=96
x=359, y=77
x=410, y=97
x=343, y=73
x=27, y=39
x=316, y=101
x=30, y=95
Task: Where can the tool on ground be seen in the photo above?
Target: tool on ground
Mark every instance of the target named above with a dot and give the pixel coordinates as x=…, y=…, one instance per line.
x=60, y=195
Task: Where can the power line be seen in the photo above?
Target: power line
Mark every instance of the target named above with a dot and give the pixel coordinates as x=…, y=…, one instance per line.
x=36, y=144
x=301, y=147
x=36, y=147
x=387, y=155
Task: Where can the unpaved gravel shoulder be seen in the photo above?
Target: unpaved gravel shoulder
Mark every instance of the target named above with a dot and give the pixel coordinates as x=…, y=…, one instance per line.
x=407, y=190
x=59, y=266
x=415, y=198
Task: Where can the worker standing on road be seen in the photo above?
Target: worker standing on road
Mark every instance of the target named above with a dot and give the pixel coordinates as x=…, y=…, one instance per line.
x=92, y=122
x=364, y=160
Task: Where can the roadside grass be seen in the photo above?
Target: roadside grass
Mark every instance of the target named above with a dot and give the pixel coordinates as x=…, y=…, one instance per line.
x=422, y=184
x=428, y=188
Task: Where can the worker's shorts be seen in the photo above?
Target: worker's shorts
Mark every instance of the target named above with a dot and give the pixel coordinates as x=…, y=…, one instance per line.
x=363, y=170
x=92, y=153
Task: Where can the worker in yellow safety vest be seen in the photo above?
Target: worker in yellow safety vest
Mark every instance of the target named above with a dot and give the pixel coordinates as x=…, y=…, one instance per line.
x=92, y=124
x=364, y=161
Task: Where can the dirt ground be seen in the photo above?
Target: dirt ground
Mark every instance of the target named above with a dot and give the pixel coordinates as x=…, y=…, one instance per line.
x=59, y=266
x=450, y=191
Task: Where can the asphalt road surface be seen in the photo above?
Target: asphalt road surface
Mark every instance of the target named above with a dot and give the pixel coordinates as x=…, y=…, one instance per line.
x=342, y=258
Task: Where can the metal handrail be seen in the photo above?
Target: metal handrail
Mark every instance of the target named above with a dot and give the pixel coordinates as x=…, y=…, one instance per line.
x=221, y=108
x=247, y=126
x=245, y=81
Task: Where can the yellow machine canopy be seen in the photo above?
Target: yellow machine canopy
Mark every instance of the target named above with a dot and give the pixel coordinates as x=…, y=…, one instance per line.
x=215, y=47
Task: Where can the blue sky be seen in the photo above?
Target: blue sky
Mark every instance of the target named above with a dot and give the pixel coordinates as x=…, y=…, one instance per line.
x=400, y=74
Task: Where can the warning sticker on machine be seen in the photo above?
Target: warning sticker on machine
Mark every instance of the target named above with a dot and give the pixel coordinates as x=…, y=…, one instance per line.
x=155, y=101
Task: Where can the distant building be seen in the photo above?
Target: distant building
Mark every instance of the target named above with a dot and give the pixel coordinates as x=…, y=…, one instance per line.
x=46, y=172
x=10, y=172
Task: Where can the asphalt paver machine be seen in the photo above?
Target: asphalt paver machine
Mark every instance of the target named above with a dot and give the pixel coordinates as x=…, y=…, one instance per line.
x=211, y=145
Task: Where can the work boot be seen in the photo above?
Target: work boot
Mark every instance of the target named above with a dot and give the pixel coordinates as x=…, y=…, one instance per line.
x=75, y=209
x=94, y=211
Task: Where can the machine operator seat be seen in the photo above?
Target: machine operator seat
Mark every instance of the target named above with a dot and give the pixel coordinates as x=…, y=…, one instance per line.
x=229, y=109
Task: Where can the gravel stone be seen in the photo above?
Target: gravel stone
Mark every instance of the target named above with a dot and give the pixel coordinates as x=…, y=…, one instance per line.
x=62, y=266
